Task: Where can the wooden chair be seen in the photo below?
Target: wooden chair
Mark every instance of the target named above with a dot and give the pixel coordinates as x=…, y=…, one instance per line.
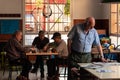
x=63, y=65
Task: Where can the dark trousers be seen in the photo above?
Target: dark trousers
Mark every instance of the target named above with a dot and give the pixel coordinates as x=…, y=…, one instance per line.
x=25, y=63
x=51, y=67
x=61, y=61
x=77, y=57
x=39, y=62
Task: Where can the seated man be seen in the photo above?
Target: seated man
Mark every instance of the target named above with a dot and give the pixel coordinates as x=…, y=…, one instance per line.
x=16, y=55
x=59, y=46
x=39, y=42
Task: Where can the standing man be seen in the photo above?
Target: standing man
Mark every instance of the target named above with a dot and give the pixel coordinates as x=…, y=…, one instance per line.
x=80, y=41
x=16, y=55
x=39, y=42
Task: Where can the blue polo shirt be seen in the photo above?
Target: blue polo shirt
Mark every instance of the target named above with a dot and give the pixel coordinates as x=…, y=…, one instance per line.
x=81, y=41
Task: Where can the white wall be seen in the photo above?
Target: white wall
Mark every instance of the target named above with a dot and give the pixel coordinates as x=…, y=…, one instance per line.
x=83, y=8
x=10, y=6
x=80, y=9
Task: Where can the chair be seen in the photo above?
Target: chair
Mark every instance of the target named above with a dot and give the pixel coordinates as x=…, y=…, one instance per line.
x=3, y=53
x=11, y=67
x=63, y=63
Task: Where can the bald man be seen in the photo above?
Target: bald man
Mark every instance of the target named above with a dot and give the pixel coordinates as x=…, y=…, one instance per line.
x=16, y=55
x=80, y=41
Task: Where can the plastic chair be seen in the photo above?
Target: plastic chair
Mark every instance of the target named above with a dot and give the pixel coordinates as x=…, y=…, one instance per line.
x=3, y=53
x=11, y=67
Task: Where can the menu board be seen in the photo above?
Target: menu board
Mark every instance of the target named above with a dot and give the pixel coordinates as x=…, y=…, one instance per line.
x=9, y=26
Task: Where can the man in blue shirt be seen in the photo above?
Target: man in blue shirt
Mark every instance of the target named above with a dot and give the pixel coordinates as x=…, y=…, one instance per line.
x=80, y=41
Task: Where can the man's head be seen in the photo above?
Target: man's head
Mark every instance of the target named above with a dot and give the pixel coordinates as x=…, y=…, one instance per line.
x=56, y=37
x=90, y=23
x=41, y=34
x=18, y=35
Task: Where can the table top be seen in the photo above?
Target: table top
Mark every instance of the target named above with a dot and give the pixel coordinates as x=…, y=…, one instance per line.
x=103, y=71
x=41, y=53
x=106, y=51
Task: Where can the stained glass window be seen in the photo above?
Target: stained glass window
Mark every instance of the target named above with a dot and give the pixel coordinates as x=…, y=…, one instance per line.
x=48, y=15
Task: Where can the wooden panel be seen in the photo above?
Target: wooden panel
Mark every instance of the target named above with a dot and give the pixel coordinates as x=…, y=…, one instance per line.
x=100, y=24
x=5, y=37
x=10, y=15
x=32, y=58
x=101, y=31
x=77, y=21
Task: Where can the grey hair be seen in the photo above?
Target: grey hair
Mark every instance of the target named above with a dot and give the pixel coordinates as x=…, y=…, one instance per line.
x=16, y=32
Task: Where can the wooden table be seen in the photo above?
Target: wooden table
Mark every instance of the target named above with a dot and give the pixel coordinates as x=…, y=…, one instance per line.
x=41, y=53
x=109, y=71
x=32, y=56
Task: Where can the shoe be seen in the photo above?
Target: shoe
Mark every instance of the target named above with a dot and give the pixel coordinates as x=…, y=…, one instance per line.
x=49, y=78
x=21, y=78
x=34, y=70
x=55, y=77
x=42, y=79
x=24, y=78
x=42, y=75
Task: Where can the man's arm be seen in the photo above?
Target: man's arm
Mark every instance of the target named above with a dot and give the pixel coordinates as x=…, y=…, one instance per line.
x=101, y=53
x=69, y=45
x=46, y=47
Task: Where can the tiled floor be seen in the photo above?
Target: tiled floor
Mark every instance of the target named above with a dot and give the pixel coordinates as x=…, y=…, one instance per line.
x=32, y=76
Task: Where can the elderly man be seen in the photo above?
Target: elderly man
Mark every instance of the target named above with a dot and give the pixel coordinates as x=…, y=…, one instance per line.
x=59, y=46
x=16, y=55
x=80, y=41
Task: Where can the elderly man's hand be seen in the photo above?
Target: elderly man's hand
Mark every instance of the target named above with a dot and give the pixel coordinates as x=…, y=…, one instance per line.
x=104, y=60
x=75, y=70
